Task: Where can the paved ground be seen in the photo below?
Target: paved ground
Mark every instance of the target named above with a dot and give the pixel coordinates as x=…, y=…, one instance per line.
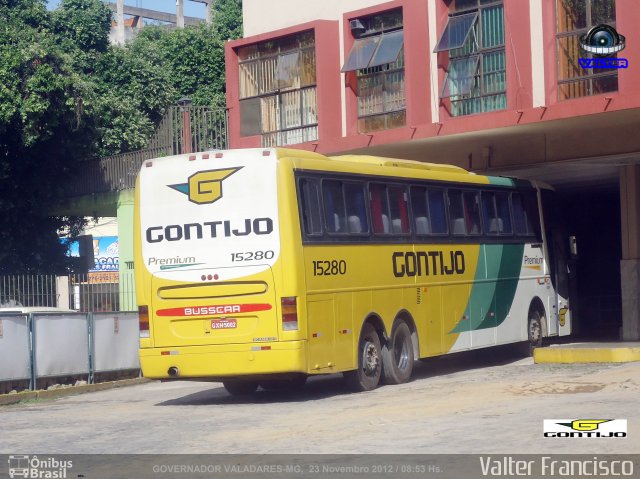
x=482, y=402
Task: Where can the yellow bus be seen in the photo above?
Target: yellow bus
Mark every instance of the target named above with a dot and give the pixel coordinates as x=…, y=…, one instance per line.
x=261, y=267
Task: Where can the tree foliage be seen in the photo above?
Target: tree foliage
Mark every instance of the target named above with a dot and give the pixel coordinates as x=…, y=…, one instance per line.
x=66, y=96
x=43, y=132
x=194, y=55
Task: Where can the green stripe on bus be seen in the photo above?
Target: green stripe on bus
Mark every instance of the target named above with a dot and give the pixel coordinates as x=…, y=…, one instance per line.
x=508, y=278
x=490, y=300
x=482, y=291
x=500, y=181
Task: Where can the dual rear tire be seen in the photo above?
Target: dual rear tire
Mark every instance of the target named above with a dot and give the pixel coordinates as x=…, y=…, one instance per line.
x=392, y=362
x=398, y=355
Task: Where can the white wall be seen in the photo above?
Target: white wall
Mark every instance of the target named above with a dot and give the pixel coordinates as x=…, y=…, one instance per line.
x=261, y=16
x=104, y=227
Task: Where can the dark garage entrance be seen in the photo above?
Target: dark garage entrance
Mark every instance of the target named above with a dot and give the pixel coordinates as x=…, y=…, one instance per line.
x=592, y=215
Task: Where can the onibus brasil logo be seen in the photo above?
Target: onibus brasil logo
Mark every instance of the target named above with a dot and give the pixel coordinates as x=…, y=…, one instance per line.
x=593, y=428
x=38, y=467
x=205, y=187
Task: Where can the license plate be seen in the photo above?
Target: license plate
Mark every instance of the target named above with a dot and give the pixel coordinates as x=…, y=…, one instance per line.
x=224, y=323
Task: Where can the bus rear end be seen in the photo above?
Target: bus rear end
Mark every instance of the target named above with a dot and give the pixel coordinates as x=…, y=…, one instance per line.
x=207, y=243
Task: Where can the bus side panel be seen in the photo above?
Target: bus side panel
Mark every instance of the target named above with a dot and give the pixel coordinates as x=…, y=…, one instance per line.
x=455, y=314
x=457, y=302
x=321, y=330
x=482, y=310
x=332, y=328
x=428, y=321
x=344, y=331
x=532, y=283
x=495, y=289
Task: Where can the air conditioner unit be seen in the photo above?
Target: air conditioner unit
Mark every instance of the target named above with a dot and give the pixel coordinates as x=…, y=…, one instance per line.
x=357, y=28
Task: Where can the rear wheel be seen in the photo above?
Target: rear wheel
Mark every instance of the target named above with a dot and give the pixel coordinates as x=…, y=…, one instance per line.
x=239, y=387
x=398, y=355
x=367, y=376
x=534, y=329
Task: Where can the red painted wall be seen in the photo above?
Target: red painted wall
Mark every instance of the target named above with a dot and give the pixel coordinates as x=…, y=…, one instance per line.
x=328, y=83
x=418, y=77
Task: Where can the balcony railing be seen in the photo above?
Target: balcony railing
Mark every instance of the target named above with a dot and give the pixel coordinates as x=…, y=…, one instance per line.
x=182, y=130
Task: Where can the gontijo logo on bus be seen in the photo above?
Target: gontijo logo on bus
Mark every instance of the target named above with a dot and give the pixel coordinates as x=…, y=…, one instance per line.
x=214, y=309
x=205, y=187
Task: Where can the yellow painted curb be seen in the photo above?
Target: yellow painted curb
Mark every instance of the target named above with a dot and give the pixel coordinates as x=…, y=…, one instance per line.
x=586, y=355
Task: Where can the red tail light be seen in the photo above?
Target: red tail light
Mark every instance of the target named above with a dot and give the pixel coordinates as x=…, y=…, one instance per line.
x=289, y=314
x=143, y=321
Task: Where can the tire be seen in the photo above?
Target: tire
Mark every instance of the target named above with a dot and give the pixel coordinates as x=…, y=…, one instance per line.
x=289, y=384
x=367, y=376
x=238, y=387
x=397, y=355
x=534, y=329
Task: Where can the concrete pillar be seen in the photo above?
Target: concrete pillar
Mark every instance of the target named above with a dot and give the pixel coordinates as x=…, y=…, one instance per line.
x=180, y=13
x=127, y=295
x=208, y=15
x=208, y=12
x=62, y=291
x=120, y=22
x=630, y=263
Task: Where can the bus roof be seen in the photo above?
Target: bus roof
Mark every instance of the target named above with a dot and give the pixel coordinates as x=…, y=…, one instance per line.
x=399, y=163
x=313, y=160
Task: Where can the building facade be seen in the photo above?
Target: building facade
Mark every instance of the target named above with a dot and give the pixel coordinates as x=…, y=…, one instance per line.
x=494, y=86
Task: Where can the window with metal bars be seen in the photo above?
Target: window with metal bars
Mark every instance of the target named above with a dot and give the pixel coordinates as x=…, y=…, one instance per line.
x=574, y=19
x=476, y=79
x=278, y=97
x=377, y=59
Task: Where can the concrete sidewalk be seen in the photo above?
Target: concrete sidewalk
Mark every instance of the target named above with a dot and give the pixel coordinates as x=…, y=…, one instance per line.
x=589, y=352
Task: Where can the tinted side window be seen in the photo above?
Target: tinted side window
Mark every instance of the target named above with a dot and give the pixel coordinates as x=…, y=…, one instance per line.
x=464, y=212
x=428, y=209
x=525, y=214
x=310, y=207
x=420, y=209
x=334, y=208
x=456, y=213
x=496, y=214
x=472, y=212
x=399, y=210
x=379, y=209
x=389, y=209
x=356, y=210
x=504, y=214
x=437, y=212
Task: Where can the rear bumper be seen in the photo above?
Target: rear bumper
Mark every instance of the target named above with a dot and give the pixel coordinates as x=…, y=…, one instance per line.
x=222, y=361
